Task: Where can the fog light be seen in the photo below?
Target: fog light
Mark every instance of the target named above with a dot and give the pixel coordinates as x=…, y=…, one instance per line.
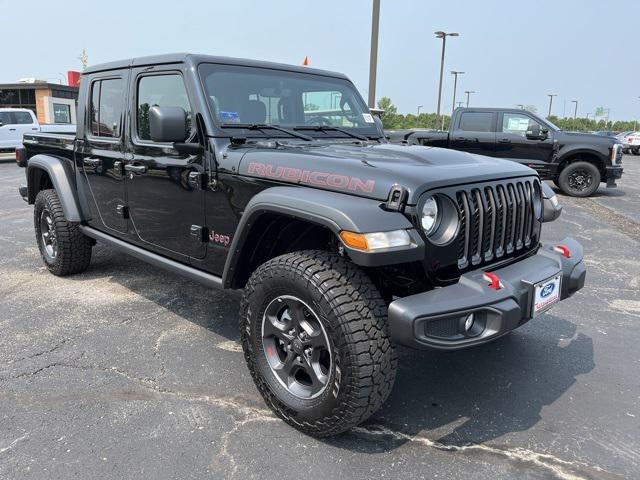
x=468, y=322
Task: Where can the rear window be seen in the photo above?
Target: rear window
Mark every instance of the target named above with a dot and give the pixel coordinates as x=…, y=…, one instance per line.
x=23, y=118
x=106, y=107
x=476, y=122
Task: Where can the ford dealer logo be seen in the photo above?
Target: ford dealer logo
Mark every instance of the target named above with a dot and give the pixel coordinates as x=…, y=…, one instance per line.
x=547, y=290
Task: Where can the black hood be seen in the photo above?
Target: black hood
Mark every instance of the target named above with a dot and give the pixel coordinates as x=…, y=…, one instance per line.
x=587, y=138
x=371, y=171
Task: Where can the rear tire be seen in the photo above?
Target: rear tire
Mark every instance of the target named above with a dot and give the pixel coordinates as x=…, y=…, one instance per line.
x=345, y=318
x=636, y=151
x=579, y=179
x=64, y=248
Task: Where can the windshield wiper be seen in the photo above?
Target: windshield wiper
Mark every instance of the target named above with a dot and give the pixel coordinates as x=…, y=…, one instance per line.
x=264, y=126
x=324, y=128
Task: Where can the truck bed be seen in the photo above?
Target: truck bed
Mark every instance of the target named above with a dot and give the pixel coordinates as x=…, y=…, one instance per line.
x=61, y=144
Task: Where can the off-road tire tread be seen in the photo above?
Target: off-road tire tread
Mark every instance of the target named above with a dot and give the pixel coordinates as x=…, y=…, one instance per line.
x=74, y=248
x=362, y=312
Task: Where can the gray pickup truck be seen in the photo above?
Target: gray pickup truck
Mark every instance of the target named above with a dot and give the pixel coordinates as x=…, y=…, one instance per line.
x=276, y=180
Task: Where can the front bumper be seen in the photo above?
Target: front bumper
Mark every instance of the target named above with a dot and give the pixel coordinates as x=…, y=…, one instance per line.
x=435, y=319
x=613, y=173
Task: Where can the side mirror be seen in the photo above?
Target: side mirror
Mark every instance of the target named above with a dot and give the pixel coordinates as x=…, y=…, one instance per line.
x=167, y=124
x=551, y=208
x=1, y=124
x=533, y=133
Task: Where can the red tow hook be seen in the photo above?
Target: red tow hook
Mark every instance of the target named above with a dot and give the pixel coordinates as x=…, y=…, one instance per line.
x=563, y=250
x=493, y=279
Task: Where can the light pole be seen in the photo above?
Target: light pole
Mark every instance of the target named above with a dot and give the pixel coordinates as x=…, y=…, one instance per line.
x=419, y=107
x=551, y=95
x=455, y=87
x=521, y=106
x=575, y=110
x=459, y=104
x=373, y=58
x=469, y=92
x=443, y=36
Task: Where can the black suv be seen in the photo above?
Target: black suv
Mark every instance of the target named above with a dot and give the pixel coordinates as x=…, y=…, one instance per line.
x=277, y=180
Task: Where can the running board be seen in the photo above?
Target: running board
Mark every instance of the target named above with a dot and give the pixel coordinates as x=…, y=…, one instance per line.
x=154, y=259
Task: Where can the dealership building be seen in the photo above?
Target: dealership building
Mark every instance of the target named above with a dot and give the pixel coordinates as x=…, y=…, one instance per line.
x=51, y=102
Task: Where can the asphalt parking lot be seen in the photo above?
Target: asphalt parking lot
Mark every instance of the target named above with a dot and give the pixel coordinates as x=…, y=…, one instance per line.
x=127, y=371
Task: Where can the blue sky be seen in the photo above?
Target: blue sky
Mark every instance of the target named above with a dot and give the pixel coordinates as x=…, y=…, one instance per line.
x=514, y=52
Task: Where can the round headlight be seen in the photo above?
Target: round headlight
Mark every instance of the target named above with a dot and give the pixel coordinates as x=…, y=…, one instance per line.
x=429, y=218
x=439, y=219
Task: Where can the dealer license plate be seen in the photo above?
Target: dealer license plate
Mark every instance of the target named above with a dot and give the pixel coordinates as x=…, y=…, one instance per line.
x=546, y=294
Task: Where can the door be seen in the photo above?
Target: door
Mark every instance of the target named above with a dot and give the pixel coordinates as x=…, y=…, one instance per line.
x=8, y=131
x=166, y=207
x=25, y=122
x=475, y=133
x=512, y=141
x=102, y=153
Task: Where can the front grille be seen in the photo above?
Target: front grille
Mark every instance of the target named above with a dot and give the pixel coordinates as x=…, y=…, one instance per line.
x=496, y=221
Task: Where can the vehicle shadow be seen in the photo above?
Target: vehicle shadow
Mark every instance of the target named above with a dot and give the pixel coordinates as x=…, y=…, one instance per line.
x=455, y=398
x=479, y=394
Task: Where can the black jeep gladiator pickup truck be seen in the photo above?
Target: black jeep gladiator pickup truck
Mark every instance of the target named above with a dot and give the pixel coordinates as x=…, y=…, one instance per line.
x=576, y=162
x=276, y=180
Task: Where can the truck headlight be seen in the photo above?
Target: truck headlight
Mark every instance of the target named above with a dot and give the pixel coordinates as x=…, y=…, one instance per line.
x=429, y=220
x=439, y=219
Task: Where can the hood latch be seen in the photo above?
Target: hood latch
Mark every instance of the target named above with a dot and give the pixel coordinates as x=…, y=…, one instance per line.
x=397, y=198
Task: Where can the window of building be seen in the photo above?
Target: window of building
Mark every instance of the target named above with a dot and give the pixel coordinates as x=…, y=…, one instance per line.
x=161, y=91
x=476, y=122
x=61, y=113
x=106, y=107
x=9, y=97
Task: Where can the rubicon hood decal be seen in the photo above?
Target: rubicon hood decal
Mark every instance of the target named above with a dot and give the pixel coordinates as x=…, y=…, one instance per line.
x=371, y=171
x=311, y=177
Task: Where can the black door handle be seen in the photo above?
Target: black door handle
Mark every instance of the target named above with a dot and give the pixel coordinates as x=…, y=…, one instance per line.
x=91, y=162
x=462, y=139
x=504, y=140
x=135, y=168
x=12, y=129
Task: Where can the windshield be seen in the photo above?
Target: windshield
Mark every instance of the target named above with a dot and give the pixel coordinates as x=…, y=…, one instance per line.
x=240, y=96
x=552, y=125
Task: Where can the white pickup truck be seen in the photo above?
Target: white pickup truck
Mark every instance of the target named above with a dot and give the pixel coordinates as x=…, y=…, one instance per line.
x=15, y=122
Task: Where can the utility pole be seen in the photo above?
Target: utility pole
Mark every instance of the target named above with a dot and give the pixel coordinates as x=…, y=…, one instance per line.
x=455, y=86
x=551, y=95
x=84, y=59
x=373, y=58
x=419, y=107
x=575, y=111
x=443, y=36
x=469, y=92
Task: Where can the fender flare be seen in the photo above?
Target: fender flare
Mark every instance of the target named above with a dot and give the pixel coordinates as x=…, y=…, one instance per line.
x=578, y=149
x=336, y=212
x=61, y=177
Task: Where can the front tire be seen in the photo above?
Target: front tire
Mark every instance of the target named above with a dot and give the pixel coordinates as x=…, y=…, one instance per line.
x=315, y=338
x=579, y=179
x=64, y=248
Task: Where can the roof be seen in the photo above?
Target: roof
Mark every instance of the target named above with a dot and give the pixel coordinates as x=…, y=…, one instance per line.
x=28, y=86
x=197, y=59
x=497, y=109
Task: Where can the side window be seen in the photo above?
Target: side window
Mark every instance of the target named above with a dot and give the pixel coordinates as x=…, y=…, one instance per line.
x=5, y=118
x=106, y=107
x=476, y=122
x=162, y=91
x=517, y=123
x=22, y=118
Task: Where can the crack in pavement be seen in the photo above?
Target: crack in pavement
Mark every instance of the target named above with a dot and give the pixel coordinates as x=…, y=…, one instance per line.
x=562, y=469
x=14, y=443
